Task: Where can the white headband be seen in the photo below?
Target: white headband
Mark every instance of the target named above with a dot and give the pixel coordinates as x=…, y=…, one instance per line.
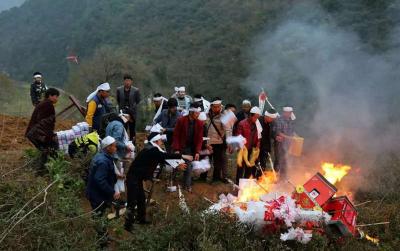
x=180, y=89
x=37, y=76
x=216, y=102
x=159, y=98
x=197, y=99
x=192, y=109
x=287, y=109
x=271, y=115
x=255, y=110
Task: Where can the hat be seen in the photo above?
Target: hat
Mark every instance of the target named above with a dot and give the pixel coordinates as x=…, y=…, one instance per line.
x=255, y=110
x=246, y=102
x=271, y=113
x=107, y=141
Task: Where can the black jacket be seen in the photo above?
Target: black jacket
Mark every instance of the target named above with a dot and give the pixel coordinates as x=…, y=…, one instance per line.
x=146, y=162
x=37, y=92
x=266, y=135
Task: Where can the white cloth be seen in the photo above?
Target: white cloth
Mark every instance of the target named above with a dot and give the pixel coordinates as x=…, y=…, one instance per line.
x=159, y=110
x=120, y=184
x=180, y=89
x=246, y=102
x=201, y=166
x=259, y=129
x=202, y=116
x=236, y=142
x=102, y=87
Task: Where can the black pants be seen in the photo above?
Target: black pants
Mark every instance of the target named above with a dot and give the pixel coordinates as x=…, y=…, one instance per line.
x=264, y=159
x=131, y=129
x=281, y=159
x=136, y=197
x=245, y=172
x=100, y=223
x=46, y=149
x=218, y=159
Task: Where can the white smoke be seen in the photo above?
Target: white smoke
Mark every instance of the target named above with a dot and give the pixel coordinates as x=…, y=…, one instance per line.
x=349, y=93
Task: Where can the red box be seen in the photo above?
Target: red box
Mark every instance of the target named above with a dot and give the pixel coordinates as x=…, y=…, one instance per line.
x=320, y=189
x=343, y=214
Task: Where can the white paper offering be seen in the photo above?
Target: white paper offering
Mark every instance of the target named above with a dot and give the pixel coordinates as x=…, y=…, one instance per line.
x=236, y=142
x=228, y=119
x=174, y=163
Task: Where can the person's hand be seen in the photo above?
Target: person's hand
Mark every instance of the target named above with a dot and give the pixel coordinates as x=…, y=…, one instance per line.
x=230, y=149
x=187, y=157
x=163, y=130
x=197, y=157
x=128, y=149
x=117, y=196
x=182, y=166
x=209, y=147
x=176, y=152
x=122, y=176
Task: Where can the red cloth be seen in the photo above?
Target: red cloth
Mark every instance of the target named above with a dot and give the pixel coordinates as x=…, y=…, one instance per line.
x=181, y=131
x=42, y=123
x=244, y=129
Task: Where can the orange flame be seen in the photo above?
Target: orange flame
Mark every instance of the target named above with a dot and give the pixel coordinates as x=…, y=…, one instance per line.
x=334, y=173
x=256, y=188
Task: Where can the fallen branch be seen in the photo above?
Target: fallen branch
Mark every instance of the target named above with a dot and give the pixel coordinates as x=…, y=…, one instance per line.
x=7, y=231
x=373, y=224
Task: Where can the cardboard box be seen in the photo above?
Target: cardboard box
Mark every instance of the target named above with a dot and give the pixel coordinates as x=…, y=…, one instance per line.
x=320, y=189
x=344, y=216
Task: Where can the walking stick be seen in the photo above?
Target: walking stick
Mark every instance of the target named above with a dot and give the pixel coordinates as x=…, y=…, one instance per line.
x=272, y=165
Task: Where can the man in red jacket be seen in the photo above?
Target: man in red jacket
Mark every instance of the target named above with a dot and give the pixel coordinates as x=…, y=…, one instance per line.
x=188, y=139
x=248, y=129
x=40, y=130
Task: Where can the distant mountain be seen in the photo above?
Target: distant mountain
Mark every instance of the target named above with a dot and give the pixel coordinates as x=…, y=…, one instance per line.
x=7, y=4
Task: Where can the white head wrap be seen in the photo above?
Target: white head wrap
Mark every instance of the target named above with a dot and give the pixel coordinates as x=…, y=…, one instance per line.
x=289, y=109
x=102, y=87
x=37, y=76
x=180, y=89
x=271, y=115
x=216, y=102
x=255, y=110
x=192, y=109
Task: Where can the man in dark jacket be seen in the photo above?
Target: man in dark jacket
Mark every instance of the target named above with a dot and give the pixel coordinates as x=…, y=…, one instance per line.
x=188, y=139
x=128, y=98
x=243, y=113
x=38, y=89
x=142, y=169
x=40, y=129
x=167, y=119
x=101, y=180
x=266, y=122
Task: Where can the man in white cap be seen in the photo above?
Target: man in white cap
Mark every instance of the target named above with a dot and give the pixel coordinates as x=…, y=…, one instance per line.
x=128, y=98
x=97, y=105
x=248, y=129
x=266, y=122
x=38, y=88
x=283, y=131
x=100, y=187
x=184, y=100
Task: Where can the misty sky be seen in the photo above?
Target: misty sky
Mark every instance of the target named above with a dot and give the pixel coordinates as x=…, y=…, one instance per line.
x=7, y=4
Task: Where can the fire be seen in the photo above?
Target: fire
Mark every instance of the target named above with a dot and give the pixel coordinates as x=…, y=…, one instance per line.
x=252, y=189
x=334, y=173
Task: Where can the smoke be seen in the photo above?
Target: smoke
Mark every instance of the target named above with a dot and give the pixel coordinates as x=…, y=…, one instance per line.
x=344, y=95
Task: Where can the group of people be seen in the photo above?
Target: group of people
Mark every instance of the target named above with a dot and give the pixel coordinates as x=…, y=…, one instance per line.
x=189, y=128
